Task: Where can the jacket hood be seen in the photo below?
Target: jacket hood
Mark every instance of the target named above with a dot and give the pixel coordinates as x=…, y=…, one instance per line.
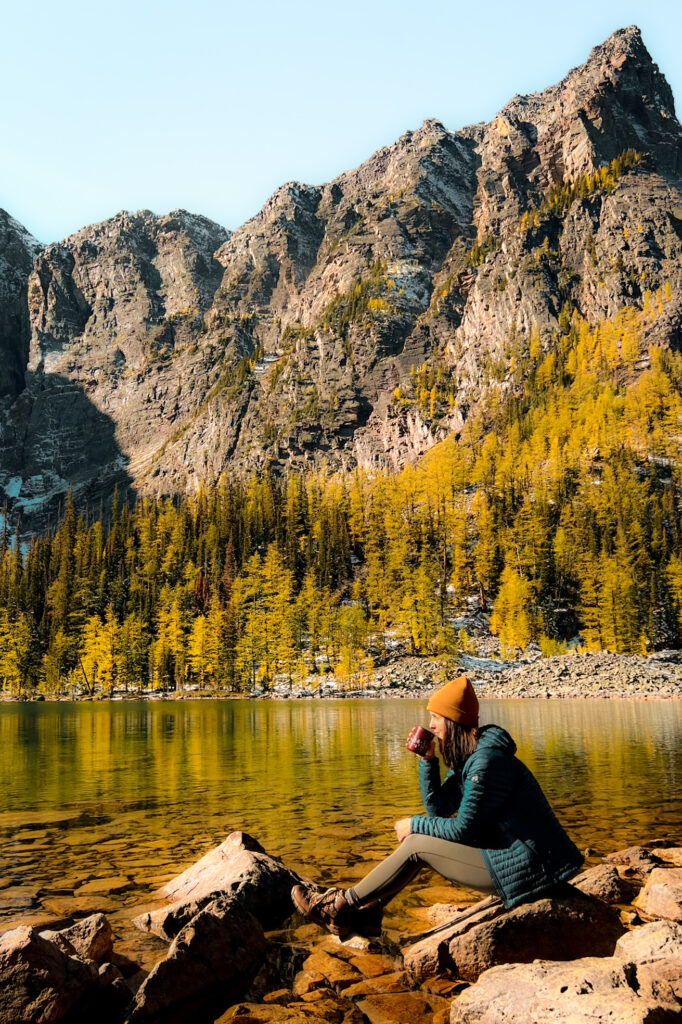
x=494, y=737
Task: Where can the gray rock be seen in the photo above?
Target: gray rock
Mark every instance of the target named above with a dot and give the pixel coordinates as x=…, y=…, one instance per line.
x=587, y=991
x=210, y=965
x=561, y=927
x=39, y=982
x=240, y=868
x=18, y=249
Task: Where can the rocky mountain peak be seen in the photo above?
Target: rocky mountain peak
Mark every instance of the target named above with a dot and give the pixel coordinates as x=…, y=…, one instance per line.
x=181, y=350
x=134, y=280
x=617, y=100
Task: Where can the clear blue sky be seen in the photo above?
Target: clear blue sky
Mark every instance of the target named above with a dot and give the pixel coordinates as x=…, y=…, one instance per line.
x=212, y=105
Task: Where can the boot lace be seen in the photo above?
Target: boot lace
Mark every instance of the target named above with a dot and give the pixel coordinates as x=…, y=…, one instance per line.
x=324, y=900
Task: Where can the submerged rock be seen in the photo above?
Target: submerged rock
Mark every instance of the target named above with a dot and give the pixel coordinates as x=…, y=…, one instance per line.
x=326, y=1008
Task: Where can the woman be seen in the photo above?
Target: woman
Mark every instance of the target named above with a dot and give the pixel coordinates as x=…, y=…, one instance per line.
x=504, y=839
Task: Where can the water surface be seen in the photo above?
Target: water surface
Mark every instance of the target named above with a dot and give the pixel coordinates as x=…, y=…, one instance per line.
x=121, y=796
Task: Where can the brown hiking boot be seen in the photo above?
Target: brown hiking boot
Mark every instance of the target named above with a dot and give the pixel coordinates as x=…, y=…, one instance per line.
x=329, y=908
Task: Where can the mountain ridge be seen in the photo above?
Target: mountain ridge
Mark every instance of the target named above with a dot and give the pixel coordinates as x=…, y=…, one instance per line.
x=195, y=351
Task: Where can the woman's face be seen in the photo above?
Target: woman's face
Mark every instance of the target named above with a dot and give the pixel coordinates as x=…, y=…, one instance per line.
x=437, y=725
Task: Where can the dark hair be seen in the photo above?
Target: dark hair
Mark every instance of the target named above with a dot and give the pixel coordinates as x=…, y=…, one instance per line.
x=459, y=743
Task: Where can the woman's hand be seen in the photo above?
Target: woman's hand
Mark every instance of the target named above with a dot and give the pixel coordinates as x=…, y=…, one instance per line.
x=403, y=828
x=431, y=752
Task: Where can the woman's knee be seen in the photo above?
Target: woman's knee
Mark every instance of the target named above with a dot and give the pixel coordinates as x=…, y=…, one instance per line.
x=412, y=844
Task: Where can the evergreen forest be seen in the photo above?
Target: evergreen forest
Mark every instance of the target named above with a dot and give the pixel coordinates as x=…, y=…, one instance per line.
x=556, y=512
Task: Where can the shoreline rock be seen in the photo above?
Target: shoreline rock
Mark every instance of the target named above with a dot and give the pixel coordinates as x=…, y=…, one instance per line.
x=239, y=868
x=594, y=676
x=459, y=972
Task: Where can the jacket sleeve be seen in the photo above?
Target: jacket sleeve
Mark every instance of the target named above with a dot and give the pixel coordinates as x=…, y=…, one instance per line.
x=487, y=787
x=441, y=799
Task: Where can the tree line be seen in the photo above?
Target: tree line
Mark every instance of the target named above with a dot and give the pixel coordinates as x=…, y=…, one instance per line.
x=556, y=511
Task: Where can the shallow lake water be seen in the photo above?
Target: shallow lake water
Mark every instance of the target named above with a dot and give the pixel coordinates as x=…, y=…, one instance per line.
x=101, y=803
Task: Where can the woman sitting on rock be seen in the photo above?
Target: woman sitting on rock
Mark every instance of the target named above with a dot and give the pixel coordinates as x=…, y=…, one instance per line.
x=504, y=838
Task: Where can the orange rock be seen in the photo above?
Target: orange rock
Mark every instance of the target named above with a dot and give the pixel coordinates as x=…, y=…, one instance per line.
x=281, y=996
x=397, y=981
x=662, y=894
x=338, y=973
x=372, y=964
x=308, y=981
x=443, y=986
x=412, y=1007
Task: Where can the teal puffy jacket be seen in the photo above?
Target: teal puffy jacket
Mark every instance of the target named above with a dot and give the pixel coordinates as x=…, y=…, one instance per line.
x=502, y=811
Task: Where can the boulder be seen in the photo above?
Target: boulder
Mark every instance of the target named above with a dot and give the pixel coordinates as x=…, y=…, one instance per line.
x=671, y=855
x=239, y=867
x=210, y=965
x=655, y=941
x=590, y=990
x=662, y=894
x=604, y=882
x=38, y=980
x=108, y=974
x=563, y=926
x=91, y=937
x=635, y=862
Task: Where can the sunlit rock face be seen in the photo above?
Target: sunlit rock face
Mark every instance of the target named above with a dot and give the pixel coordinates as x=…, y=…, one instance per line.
x=162, y=352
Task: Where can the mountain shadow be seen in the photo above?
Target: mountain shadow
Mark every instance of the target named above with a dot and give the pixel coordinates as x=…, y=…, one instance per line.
x=53, y=439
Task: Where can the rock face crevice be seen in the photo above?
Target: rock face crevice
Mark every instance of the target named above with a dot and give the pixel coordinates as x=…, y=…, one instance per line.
x=284, y=343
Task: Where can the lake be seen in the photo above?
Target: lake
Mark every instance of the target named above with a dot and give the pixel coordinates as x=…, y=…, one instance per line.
x=100, y=803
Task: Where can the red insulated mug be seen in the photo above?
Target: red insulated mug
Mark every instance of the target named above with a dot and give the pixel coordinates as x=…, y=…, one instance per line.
x=419, y=740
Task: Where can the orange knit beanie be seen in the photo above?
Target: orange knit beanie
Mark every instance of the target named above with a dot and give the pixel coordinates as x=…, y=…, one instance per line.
x=456, y=701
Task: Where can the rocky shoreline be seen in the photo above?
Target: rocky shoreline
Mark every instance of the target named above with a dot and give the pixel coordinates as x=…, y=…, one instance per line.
x=598, y=675
x=606, y=947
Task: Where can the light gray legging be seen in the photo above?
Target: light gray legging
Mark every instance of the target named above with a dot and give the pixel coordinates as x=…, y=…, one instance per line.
x=458, y=863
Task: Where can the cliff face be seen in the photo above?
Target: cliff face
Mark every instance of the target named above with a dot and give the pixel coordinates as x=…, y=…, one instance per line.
x=165, y=351
x=18, y=250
